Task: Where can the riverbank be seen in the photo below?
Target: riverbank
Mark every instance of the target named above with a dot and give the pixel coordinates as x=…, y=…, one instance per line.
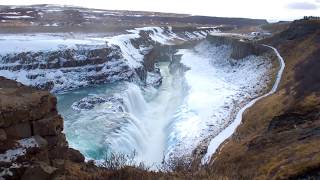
x=218, y=142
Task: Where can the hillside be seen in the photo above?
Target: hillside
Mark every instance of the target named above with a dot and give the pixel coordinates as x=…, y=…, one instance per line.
x=279, y=136
x=55, y=18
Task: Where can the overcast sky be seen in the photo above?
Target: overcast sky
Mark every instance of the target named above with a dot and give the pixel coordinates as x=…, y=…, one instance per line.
x=266, y=9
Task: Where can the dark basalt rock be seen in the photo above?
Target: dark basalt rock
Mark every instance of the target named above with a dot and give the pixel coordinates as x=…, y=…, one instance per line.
x=87, y=103
x=240, y=49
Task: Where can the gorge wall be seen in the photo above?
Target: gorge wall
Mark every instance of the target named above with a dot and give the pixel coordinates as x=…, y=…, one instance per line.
x=59, y=63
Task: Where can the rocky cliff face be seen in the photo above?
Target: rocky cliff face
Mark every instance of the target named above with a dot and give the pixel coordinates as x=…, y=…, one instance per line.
x=240, y=49
x=32, y=143
x=86, y=61
x=65, y=69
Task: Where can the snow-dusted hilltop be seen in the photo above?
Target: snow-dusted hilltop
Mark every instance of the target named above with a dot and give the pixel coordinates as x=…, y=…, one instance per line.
x=55, y=18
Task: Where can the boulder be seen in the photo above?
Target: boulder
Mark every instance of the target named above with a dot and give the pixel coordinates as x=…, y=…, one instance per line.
x=66, y=154
x=57, y=140
x=50, y=126
x=3, y=135
x=40, y=171
x=42, y=143
x=19, y=131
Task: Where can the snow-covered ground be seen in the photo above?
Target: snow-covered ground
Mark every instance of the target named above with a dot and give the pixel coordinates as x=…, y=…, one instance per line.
x=217, y=87
x=21, y=149
x=14, y=43
x=227, y=132
x=38, y=47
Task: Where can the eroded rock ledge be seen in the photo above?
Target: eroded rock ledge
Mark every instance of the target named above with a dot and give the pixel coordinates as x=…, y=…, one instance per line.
x=32, y=144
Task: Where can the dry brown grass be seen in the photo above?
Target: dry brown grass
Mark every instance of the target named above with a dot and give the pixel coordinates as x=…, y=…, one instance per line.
x=255, y=151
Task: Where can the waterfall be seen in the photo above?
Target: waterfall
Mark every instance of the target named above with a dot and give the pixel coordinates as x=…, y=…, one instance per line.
x=195, y=102
x=134, y=100
x=99, y=130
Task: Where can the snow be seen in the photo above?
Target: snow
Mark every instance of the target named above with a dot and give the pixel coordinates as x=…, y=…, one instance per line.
x=54, y=10
x=198, y=35
x=135, y=56
x=109, y=14
x=18, y=17
x=53, y=24
x=10, y=13
x=12, y=154
x=23, y=144
x=157, y=34
x=217, y=84
x=208, y=27
x=90, y=17
x=13, y=43
x=130, y=53
x=226, y=133
x=67, y=78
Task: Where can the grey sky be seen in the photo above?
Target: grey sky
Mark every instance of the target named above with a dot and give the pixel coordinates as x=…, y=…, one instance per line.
x=302, y=6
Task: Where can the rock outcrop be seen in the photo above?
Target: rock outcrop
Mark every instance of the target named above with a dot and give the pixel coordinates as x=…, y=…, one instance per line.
x=240, y=49
x=32, y=144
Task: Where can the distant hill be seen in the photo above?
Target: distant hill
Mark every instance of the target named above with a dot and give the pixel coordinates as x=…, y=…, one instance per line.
x=46, y=18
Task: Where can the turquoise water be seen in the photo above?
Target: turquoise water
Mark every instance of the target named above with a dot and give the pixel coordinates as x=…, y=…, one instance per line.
x=142, y=127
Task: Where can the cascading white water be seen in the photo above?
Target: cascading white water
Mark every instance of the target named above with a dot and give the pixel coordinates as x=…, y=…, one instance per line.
x=159, y=114
x=140, y=128
x=169, y=121
x=134, y=101
x=97, y=131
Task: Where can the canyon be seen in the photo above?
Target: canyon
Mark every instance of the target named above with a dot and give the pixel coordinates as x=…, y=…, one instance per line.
x=197, y=95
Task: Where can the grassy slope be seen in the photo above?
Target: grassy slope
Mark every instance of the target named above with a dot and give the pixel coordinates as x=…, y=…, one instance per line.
x=280, y=135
